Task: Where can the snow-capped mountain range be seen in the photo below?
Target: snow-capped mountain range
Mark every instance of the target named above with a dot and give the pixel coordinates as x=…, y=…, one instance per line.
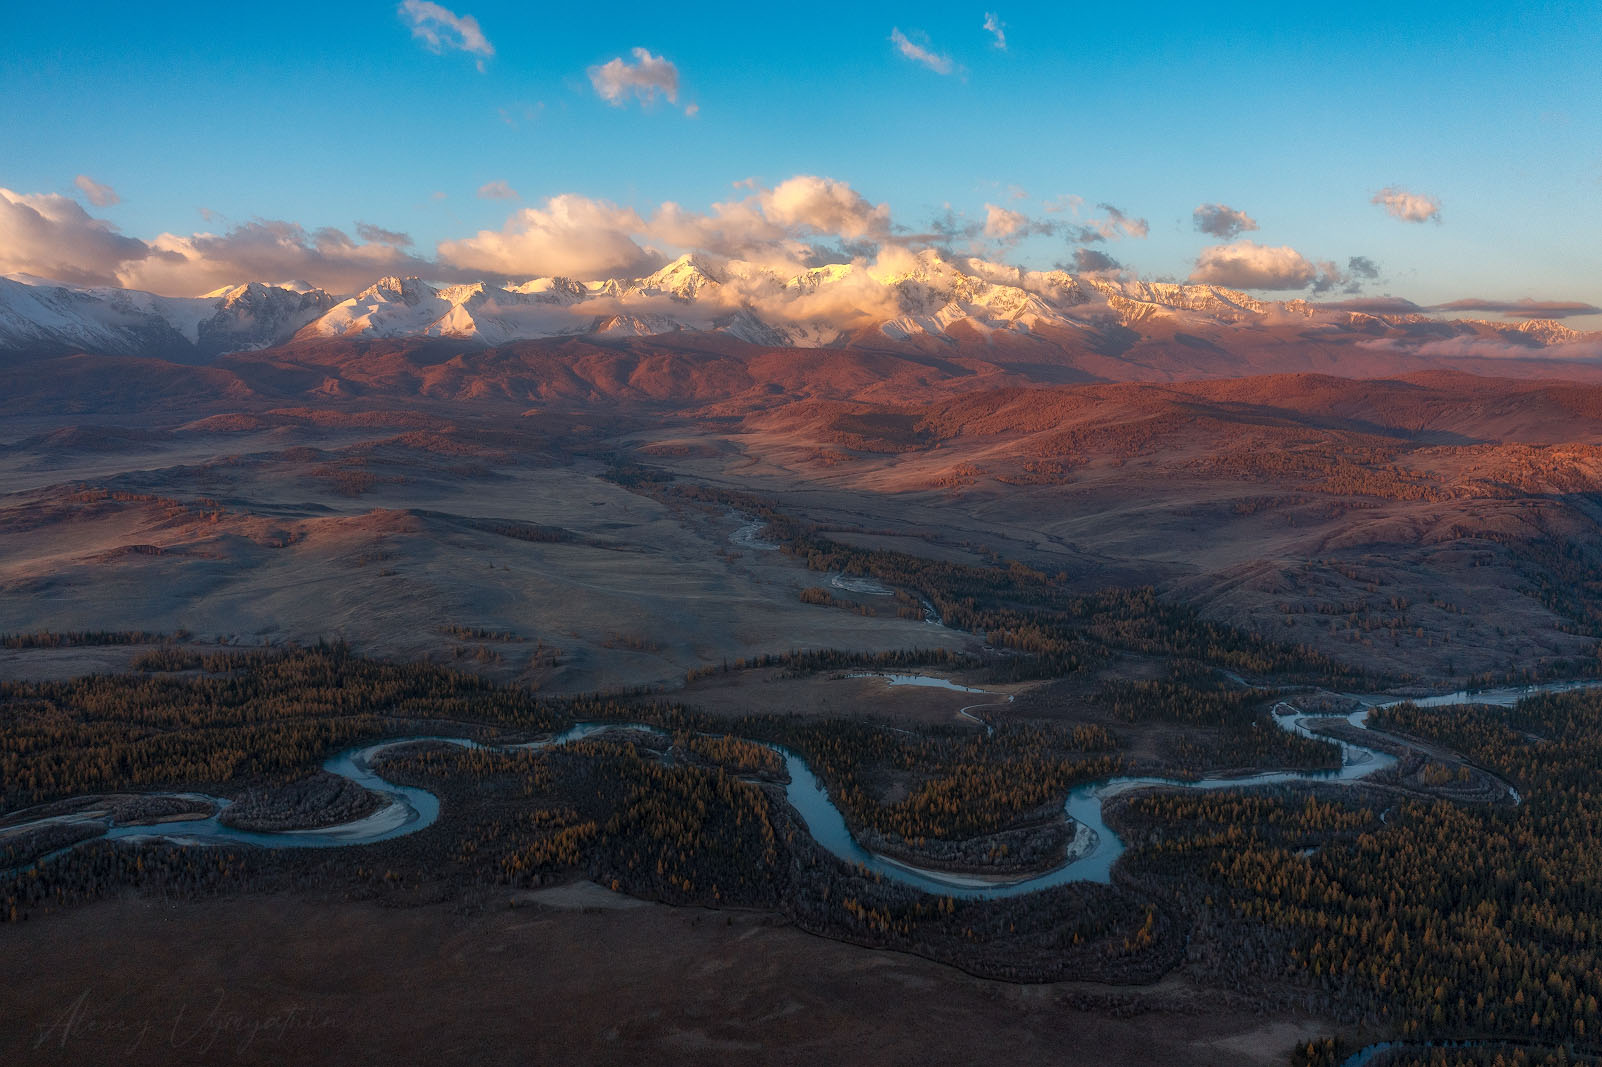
x=41, y=315
x=926, y=298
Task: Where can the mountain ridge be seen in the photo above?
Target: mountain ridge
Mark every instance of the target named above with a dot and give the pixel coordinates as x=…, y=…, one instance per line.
x=931, y=303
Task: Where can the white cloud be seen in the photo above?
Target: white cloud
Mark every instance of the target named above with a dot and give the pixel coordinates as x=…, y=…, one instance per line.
x=1222, y=221
x=645, y=78
x=574, y=235
x=772, y=228
x=1409, y=207
x=440, y=28
x=824, y=205
x=53, y=237
x=734, y=227
x=571, y=235
x=496, y=190
x=1002, y=223
x=97, y=194
x=1008, y=226
x=770, y=233
x=936, y=62
x=1248, y=265
x=997, y=29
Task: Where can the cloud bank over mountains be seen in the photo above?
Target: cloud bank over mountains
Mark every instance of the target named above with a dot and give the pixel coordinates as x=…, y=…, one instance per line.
x=799, y=224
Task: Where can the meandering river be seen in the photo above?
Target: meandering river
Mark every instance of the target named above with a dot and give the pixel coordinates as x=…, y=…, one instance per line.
x=1096, y=847
x=1091, y=857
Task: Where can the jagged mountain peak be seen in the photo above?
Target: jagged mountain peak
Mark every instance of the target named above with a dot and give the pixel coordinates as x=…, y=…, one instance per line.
x=558, y=290
x=683, y=279
x=1547, y=331
x=410, y=291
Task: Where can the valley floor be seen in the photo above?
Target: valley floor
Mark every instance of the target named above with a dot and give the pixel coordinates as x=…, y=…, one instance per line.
x=270, y=980
x=1119, y=580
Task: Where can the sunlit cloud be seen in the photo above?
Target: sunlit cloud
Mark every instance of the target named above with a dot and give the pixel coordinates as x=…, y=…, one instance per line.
x=921, y=54
x=577, y=236
x=778, y=227
x=97, y=194
x=440, y=29
x=1409, y=207
x=1009, y=226
x=769, y=233
x=1249, y=265
x=496, y=190
x=826, y=206
x=997, y=29
x=646, y=78
x=1000, y=222
x=570, y=235
x=1222, y=221
x=53, y=237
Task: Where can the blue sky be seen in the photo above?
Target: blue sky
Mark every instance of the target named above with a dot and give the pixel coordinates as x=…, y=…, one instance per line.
x=205, y=118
